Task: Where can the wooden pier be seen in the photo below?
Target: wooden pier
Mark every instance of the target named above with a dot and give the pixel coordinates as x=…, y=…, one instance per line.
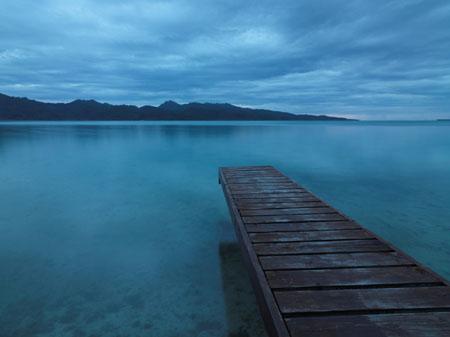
x=317, y=273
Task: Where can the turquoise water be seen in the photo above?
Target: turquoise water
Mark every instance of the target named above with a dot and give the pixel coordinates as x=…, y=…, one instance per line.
x=121, y=229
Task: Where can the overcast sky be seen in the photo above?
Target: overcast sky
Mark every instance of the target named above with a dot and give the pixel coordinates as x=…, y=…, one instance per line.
x=369, y=59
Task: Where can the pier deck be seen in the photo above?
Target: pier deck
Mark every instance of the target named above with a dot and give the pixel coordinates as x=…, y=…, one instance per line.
x=317, y=273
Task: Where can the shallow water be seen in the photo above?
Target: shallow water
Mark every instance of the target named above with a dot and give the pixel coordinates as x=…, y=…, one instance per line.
x=121, y=229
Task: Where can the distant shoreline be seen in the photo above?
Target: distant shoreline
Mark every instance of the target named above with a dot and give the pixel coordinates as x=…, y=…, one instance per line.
x=179, y=120
x=24, y=109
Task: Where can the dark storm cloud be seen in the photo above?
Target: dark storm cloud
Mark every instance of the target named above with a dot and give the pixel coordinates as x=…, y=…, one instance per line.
x=371, y=59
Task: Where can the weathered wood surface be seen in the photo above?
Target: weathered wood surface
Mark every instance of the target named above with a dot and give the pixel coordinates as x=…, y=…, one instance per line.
x=317, y=273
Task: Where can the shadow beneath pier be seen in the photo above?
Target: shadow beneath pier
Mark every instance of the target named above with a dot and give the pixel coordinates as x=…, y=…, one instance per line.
x=243, y=317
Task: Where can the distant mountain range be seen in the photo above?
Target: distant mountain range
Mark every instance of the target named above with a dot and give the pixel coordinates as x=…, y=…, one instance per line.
x=18, y=108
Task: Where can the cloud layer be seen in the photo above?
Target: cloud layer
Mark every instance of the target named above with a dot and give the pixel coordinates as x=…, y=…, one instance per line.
x=363, y=58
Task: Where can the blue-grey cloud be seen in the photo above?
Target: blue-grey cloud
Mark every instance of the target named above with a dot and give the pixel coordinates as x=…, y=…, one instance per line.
x=370, y=59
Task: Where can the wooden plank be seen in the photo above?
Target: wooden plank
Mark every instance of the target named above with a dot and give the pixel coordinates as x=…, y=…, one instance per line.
x=244, y=202
x=293, y=218
x=278, y=183
x=277, y=180
x=310, y=236
x=267, y=196
x=267, y=175
x=251, y=173
x=288, y=211
x=301, y=226
x=264, y=177
x=285, y=205
x=423, y=324
x=320, y=247
x=268, y=193
x=261, y=193
x=259, y=180
x=229, y=175
x=253, y=169
x=322, y=261
x=377, y=276
x=270, y=186
x=362, y=300
x=248, y=168
x=263, y=185
x=258, y=174
x=266, y=190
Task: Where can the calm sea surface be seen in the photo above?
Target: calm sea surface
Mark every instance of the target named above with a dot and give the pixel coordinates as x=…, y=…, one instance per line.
x=121, y=229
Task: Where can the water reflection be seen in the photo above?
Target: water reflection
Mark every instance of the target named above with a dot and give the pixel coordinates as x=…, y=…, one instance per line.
x=242, y=315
